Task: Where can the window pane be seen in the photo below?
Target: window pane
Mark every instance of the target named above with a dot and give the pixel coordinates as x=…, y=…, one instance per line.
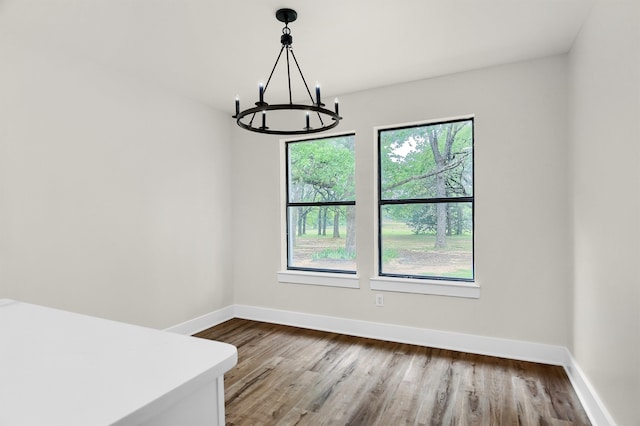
x=412, y=246
x=322, y=238
x=431, y=161
x=322, y=170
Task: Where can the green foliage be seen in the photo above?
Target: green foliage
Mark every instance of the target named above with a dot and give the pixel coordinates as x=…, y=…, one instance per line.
x=388, y=254
x=427, y=162
x=337, y=253
x=405, y=252
x=312, y=215
x=422, y=220
x=322, y=170
x=413, y=158
x=397, y=235
x=458, y=273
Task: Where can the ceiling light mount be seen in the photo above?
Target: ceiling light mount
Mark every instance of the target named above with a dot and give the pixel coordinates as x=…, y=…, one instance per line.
x=317, y=117
x=286, y=15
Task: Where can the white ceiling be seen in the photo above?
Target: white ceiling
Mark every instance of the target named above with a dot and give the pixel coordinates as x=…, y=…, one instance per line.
x=213, y=50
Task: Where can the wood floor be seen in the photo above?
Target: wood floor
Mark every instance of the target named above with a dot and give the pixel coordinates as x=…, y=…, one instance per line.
x=293, y=376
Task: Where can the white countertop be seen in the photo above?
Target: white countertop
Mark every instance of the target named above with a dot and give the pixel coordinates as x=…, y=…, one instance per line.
x=62, y=368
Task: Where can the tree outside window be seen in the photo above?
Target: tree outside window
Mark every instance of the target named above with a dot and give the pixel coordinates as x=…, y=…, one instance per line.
x=321, y=204
x=426, y=201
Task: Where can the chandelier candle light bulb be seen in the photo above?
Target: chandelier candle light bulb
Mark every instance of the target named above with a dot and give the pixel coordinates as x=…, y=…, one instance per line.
x=318, y=94
x=237, y=105
x=261, y=92
x=335, y=103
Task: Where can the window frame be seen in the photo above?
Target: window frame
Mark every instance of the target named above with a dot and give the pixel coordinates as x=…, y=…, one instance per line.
x=306, y=275
x=453, y=286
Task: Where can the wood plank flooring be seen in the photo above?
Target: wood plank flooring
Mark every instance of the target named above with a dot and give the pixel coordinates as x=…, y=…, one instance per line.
x=294, y=376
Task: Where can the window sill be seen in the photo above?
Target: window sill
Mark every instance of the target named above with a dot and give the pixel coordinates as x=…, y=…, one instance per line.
x=418, y=286
x=319, y=278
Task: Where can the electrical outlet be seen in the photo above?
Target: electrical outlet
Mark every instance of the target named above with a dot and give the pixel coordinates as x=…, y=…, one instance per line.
x=379, y=300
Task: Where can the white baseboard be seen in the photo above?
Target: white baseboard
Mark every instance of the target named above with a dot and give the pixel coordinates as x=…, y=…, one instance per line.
x=203, y=322
x=591, y=402
x=503, y=348
x=526, y=351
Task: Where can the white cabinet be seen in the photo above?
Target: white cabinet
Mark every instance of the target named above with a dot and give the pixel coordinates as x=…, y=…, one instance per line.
x=62, y=368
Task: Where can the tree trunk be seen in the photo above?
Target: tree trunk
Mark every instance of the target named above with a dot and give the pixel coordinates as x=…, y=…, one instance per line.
x=441, y=160
x=441, y=191
x=336, y=223
x=459, y=220
x=441, y=225
x=319, y=220
x=304, y=223
x=324, y=221
x=350, y=246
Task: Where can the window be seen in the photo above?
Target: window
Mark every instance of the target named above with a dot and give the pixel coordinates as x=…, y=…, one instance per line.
x=320, y=179
x=425, y=201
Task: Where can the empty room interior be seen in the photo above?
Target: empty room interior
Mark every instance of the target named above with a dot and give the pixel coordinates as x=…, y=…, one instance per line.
x=129, y=193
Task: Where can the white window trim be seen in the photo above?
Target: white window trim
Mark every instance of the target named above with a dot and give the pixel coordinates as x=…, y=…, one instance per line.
x=329, y=279
x=462, y=289
x=470, y=290
x=294, y=276
x=466, y=289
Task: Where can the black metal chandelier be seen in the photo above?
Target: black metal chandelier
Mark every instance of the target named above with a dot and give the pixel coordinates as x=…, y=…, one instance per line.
x=317, y=117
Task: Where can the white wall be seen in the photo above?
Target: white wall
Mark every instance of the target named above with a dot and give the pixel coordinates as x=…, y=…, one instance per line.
x=605, y=148
x=114, y=196
x=522, y=220
x=114, y=200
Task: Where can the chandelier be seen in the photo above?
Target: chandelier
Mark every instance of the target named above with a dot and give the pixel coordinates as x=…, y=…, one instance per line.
x=312, y=118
